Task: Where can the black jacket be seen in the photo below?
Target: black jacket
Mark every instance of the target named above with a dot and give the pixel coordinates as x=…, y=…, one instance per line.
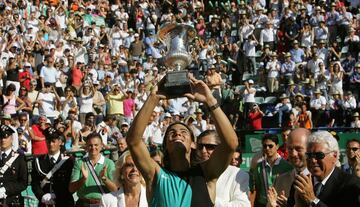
x=341, y=189
x=15, y=180
x=59, y=181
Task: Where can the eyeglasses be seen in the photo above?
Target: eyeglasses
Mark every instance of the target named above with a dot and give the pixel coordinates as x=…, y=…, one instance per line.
x=265, y=146
x=354, y=149
x=207, y=146
x=316, y=155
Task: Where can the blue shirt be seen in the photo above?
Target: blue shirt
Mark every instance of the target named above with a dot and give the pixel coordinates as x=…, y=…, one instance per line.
x=297, y=55
x=171, y=190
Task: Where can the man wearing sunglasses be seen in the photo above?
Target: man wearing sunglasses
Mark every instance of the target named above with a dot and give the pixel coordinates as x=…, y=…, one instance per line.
x=353, y=157
x=267, y=170
x=232, y=185
x=327, y=185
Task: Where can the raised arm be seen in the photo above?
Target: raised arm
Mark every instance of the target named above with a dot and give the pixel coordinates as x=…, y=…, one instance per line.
x=137, y=147
x=222, y=155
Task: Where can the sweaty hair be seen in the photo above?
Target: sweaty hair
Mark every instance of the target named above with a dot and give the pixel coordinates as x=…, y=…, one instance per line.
x=166, y=155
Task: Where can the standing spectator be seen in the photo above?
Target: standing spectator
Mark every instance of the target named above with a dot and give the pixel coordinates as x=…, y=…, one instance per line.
x=48, y=73
x=115, y=102
x=53, y=192
x=214, y=81
x=255, y=117
x=129, y=106
x=250, y=53
x=11, y=103
x=268, y=35
x=355, y=80
x=353, y=157
x=199, y=123
x=282, y=151
x=296, y=146
x=89, y=186
x=267, y=170
x=48, y=101
x=329, y=186
x=86, y=100
x=273, y=68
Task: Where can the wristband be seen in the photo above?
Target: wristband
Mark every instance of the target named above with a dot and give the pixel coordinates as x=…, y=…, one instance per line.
x=213, y=107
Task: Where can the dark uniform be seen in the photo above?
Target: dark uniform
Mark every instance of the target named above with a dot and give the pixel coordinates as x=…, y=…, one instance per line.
x=59, y=182
x=14, y=179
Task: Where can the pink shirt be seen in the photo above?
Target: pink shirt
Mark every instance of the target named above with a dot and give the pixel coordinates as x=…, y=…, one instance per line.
x=128, y=105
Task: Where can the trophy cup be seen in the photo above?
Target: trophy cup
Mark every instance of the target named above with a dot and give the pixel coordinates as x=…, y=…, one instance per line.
x=176, y=38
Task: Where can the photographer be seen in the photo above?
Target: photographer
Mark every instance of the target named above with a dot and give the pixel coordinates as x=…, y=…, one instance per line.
x=255, y=117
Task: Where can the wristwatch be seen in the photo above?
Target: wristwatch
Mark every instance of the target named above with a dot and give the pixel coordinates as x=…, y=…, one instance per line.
x=104, y=178
x=314, y=202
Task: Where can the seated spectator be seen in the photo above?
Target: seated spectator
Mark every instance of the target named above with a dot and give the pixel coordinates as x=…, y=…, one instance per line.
x=356, y=121
x=282, y=108
x=317, y=106
x=304, y=118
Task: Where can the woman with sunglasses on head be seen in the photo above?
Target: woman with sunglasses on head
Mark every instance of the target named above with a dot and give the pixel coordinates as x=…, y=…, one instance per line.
x=23, y=95
x=267, y=170
x=178, y=183
x=131, y=185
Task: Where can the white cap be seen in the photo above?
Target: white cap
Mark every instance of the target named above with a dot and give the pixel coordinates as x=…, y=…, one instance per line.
x=250, y=81
x=176, y=113
x=136, y=35
x=155, y=68
x=125, y=123
x=167, y=114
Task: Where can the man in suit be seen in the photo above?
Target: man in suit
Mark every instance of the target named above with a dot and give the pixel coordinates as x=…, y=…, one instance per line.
x=13, y=171
x=327, y=185
x=296, y=147
x=51, y=173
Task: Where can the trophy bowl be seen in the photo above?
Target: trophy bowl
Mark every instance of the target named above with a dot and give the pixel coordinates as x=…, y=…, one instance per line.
x=176, y=38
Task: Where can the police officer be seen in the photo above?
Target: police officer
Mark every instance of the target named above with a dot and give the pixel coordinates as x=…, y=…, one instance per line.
x=51, y=173
x=13, y=171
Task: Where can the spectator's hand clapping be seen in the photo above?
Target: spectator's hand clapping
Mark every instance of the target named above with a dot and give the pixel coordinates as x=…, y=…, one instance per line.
x=84, y=171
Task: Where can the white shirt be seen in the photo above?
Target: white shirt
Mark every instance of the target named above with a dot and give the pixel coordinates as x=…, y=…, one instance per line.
x=267, y=35
x=103, y=129
x=350, y=103
x=152, y=134
x=48, y=104
x=49, y=74
x=232, y=188
x=318, y=103
x=55, y=156
x=117, y=198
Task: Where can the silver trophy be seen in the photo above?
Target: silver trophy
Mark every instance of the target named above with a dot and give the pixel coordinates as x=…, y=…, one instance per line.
x=176, y=38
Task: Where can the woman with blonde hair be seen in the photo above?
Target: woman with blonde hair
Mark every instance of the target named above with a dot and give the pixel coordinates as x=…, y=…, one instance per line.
x=132, y=185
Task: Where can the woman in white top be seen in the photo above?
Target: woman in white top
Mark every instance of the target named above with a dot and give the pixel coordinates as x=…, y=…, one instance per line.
x=336, y=78
x=86, y=101
x=132, y=190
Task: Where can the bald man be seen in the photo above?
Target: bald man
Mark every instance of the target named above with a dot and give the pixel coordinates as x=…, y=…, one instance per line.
x=296, y=146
